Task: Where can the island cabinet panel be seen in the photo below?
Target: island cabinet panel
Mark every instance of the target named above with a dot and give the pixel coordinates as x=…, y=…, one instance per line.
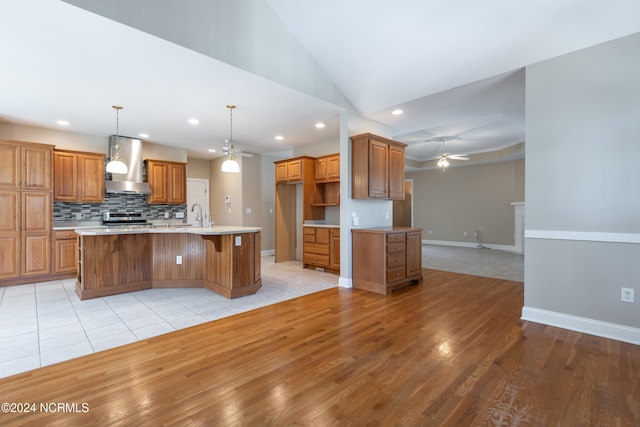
x=232, y=267
x=387, y=258
x=166, y=270
x=113, y=264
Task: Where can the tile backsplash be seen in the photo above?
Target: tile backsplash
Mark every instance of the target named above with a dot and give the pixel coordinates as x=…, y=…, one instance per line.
x=64, y=211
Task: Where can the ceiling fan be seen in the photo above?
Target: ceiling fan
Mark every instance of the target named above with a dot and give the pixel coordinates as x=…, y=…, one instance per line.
x=230, y=148
x=444, y=157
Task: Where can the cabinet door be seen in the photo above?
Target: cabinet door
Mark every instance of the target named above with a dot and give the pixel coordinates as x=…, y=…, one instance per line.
x=177, y=184
x=9, y=166
x=414, y=253
x=65, y=176
x=333, y=168
x=396, y=173
x=294, y=170
x=65, y=255
x=10, y=234
x=321, y=169
x=281, y=172
x=334, y=250
x=36, y=234
x=378, y=169
x=91, y=177
x=157, y=176
x=36, y=168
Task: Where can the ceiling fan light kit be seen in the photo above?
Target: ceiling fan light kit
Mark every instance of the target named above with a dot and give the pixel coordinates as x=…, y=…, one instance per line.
x=230, y=165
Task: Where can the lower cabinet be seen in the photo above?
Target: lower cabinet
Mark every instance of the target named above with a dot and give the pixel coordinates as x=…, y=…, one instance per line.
x=386, y=258
x=66, y=251
x=321, y=248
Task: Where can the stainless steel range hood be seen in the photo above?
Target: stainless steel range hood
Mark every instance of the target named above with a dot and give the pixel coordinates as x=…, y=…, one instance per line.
x=131, y=155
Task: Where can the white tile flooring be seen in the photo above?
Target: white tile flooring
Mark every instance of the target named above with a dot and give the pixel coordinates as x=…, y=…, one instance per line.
x=45, y=323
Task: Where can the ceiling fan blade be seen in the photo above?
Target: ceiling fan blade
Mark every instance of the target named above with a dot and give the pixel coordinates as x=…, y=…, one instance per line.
x=459, y=157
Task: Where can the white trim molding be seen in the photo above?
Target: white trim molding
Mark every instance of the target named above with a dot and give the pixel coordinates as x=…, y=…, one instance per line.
x=585, y=236
x=582, y=324
x=268, y=252
x=507, y=248
x=345, y=282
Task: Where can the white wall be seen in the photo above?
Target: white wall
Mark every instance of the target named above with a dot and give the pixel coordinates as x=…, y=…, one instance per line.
x=583, y=189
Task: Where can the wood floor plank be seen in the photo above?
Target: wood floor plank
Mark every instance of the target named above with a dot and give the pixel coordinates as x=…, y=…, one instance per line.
x=449, y=352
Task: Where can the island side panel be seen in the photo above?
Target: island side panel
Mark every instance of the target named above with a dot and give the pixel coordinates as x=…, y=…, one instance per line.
x=231, y=268
x=167, y=273
x=113, y=264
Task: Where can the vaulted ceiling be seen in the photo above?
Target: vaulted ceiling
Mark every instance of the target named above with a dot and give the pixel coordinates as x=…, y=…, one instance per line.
x=456, y=69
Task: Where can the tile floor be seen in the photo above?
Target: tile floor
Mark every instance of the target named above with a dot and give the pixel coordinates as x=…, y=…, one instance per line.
x=45, y=323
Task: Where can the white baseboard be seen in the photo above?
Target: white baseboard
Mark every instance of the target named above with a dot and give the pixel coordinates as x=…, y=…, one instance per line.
x=582, y=324
x=268, y=252
x=508, y=248
x=345, y=282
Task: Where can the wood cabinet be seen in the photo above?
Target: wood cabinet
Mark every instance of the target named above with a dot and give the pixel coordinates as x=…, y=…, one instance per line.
x=291, y=170
x=328, y=168
x=168, y=182
x=321, y=248
x=66, y=251
x=387, y=258
x=78, y=176
x=26, y=213
x=377, y=167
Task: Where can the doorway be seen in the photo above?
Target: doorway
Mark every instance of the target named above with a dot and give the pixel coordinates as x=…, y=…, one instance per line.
x=403, y=209
x=198, y=192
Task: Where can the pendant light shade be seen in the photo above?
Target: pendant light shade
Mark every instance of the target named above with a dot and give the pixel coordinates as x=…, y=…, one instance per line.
x=230, y=165
x=116, y=165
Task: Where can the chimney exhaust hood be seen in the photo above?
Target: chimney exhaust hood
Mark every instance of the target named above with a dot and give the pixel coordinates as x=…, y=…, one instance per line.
x=130, y=182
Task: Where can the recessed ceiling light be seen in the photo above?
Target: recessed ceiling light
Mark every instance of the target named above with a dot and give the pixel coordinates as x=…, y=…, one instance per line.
x=211, y=150
x=320, y=125
x=63, y=123
x=279, y=137
x=143, y=135
x=194, y=121
x=397, y=112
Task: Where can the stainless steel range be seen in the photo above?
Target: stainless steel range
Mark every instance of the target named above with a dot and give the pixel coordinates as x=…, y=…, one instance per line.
x=125, y=219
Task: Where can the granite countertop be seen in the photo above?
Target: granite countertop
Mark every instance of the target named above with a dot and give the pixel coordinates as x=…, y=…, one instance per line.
x=322, y=225
x=216, y=230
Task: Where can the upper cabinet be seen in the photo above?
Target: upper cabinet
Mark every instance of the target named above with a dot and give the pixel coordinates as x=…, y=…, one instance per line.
x=78, y=176
x=377, y=168
x=328, y=168
x=25, y=166
x=292, y=170
x=168, y=181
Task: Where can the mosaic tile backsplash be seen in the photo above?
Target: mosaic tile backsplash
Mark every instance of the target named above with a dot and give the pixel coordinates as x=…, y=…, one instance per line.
x=64, y=211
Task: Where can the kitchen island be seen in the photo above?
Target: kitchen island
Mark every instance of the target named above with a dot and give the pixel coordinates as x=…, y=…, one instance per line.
x=114, y=260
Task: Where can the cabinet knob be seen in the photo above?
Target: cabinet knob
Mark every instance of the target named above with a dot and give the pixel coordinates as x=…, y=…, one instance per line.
x=68, y=234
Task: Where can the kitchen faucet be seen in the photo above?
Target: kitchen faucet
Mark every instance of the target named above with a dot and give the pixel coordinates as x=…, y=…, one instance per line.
x=198, y=214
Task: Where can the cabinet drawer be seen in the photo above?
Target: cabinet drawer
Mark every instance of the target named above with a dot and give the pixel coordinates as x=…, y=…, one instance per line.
x=65, y=234
x=395, y=237
x=310, y=238
x=395, y=261
x=393, y=248
x=335, y=232
x=316, y=248
x=396, y=275
x=309, y=230
x=315, y=259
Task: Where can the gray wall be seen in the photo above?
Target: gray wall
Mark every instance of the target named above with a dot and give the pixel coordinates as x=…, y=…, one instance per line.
x=463, y=198
x=583, y=182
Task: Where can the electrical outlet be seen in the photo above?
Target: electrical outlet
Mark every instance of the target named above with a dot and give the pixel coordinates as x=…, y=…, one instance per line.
x=626, y=295
x=238, y=240
x=386, y=215
x=178, y=259
x=167, y=214
x=465, y=234
x=429, y=231
x=248, y=211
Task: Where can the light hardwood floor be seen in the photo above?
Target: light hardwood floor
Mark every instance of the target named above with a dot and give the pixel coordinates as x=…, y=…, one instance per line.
x=450, y=352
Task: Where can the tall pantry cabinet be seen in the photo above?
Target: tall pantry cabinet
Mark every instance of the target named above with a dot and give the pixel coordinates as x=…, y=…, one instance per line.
x=25, y=211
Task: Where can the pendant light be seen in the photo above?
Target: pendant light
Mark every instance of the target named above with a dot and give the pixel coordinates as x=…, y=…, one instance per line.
x=116, y=165
x=230, y=164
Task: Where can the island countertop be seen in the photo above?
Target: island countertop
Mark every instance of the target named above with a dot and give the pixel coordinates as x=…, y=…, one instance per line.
x=203, y=231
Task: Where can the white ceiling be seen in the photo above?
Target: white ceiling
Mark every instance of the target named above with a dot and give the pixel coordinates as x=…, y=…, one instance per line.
x=455, y=68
